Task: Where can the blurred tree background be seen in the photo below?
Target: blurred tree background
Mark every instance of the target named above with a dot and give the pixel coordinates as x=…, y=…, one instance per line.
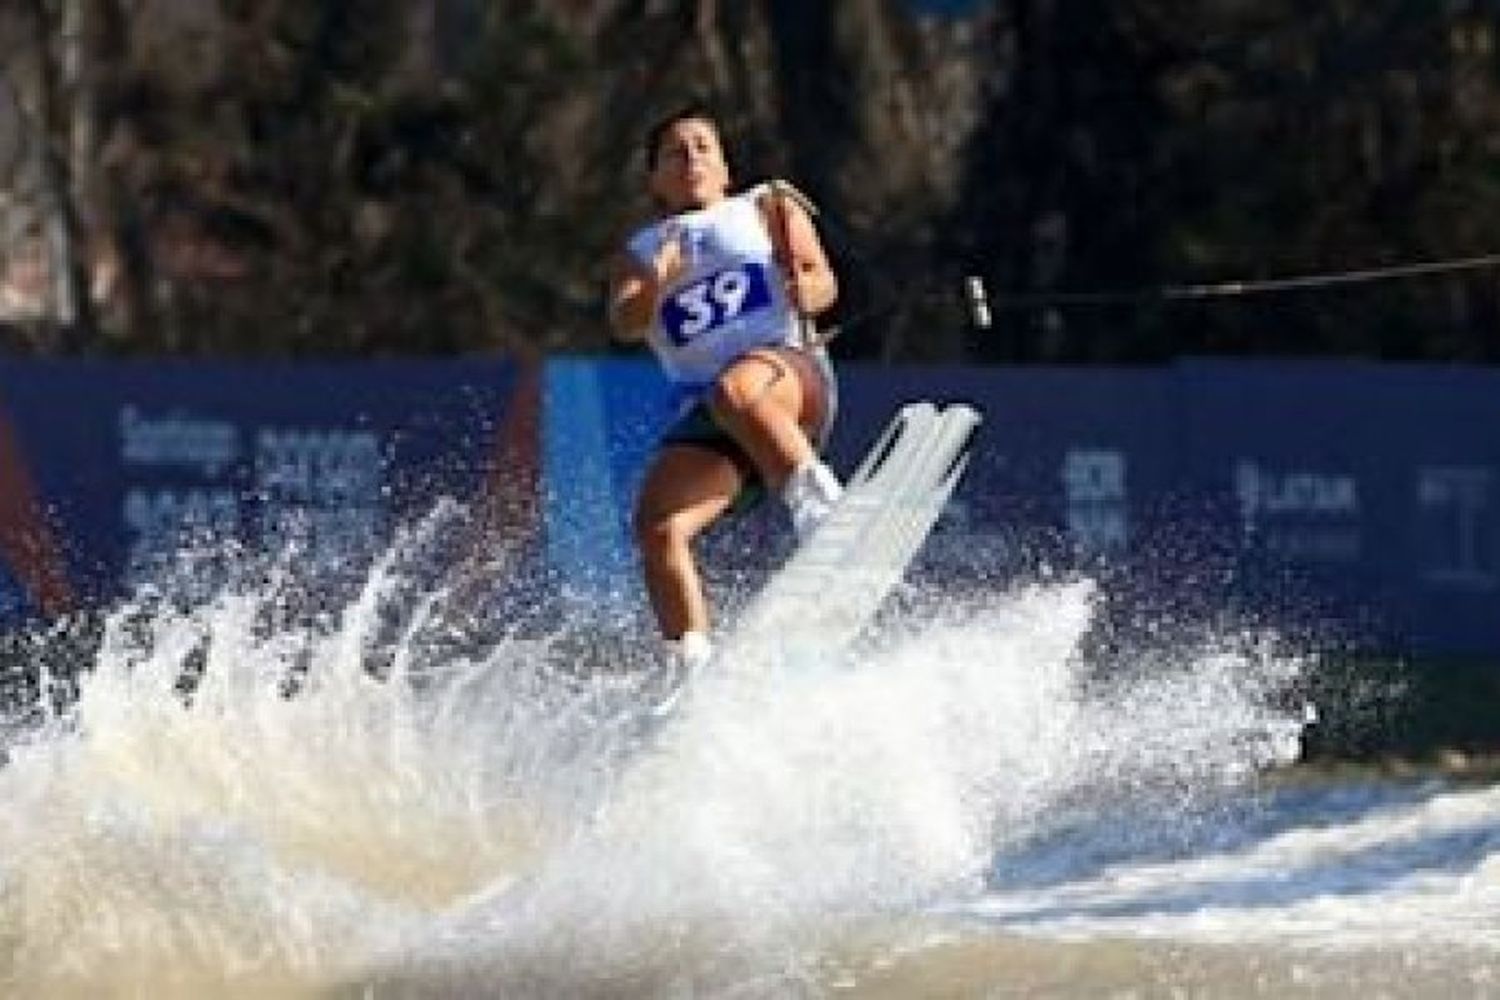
x=391, y=177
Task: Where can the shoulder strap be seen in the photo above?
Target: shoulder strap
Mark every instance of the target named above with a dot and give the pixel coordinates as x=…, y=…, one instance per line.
x=776, y=189
x=786, y=189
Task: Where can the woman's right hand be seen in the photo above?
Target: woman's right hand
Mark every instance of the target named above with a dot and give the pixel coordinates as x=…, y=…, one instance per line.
x=671, y=259
x=636, y=287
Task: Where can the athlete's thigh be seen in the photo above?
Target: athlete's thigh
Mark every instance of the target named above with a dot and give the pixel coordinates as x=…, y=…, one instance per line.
x=762, y=374
x=792, y=379
x=689, y=484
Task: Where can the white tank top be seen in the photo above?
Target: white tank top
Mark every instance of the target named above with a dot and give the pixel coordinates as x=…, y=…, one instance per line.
x=730, y=299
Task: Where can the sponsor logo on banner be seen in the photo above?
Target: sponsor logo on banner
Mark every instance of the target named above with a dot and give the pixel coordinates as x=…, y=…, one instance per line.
x=1456, y=527
x=180, y=440
x=1096, y=502
x=322, y=485
x=1306, y=516
x=191, y=477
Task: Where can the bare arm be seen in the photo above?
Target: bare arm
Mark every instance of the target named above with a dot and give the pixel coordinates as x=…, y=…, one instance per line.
x=810, y=279
x=632, y=299
x=635, y=289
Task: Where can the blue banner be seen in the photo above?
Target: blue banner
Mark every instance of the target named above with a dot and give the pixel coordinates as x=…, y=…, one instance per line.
x=1347, y=502
x=1359, y=501
x=106, y=467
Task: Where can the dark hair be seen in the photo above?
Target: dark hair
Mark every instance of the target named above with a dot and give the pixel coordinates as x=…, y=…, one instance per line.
x=695, y=109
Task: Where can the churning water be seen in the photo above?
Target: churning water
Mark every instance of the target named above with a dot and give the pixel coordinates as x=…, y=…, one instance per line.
x=261, y=791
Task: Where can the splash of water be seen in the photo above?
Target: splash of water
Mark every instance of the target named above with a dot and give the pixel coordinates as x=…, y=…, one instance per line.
x=262, y=788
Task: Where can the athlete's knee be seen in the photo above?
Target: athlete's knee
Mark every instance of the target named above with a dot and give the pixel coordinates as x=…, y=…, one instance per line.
x=752, y=385
x=659, y=534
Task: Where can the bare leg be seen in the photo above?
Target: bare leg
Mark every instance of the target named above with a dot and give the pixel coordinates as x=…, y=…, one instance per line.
x=686, y=489
x=760, y=401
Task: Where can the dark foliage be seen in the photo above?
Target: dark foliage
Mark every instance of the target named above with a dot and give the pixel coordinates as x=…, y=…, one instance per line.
x=294, y=177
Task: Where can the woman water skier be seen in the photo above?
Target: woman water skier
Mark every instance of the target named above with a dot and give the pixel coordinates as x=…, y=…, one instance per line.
x=721, y=287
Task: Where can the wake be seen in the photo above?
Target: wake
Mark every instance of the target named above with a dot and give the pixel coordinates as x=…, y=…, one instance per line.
x=260, y=786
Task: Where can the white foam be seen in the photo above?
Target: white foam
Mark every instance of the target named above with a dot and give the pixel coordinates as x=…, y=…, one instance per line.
x=487, y=816
x=1405, y=873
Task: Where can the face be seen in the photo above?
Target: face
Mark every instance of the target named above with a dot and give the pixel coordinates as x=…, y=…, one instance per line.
x=690, y=171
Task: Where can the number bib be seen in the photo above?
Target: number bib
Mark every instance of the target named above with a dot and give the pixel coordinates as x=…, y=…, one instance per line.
x=709, y=303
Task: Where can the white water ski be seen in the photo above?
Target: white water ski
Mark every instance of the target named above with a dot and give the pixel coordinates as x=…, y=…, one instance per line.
x=835, y=582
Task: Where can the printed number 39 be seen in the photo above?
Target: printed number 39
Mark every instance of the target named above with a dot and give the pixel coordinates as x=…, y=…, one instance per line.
x=713, y=301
